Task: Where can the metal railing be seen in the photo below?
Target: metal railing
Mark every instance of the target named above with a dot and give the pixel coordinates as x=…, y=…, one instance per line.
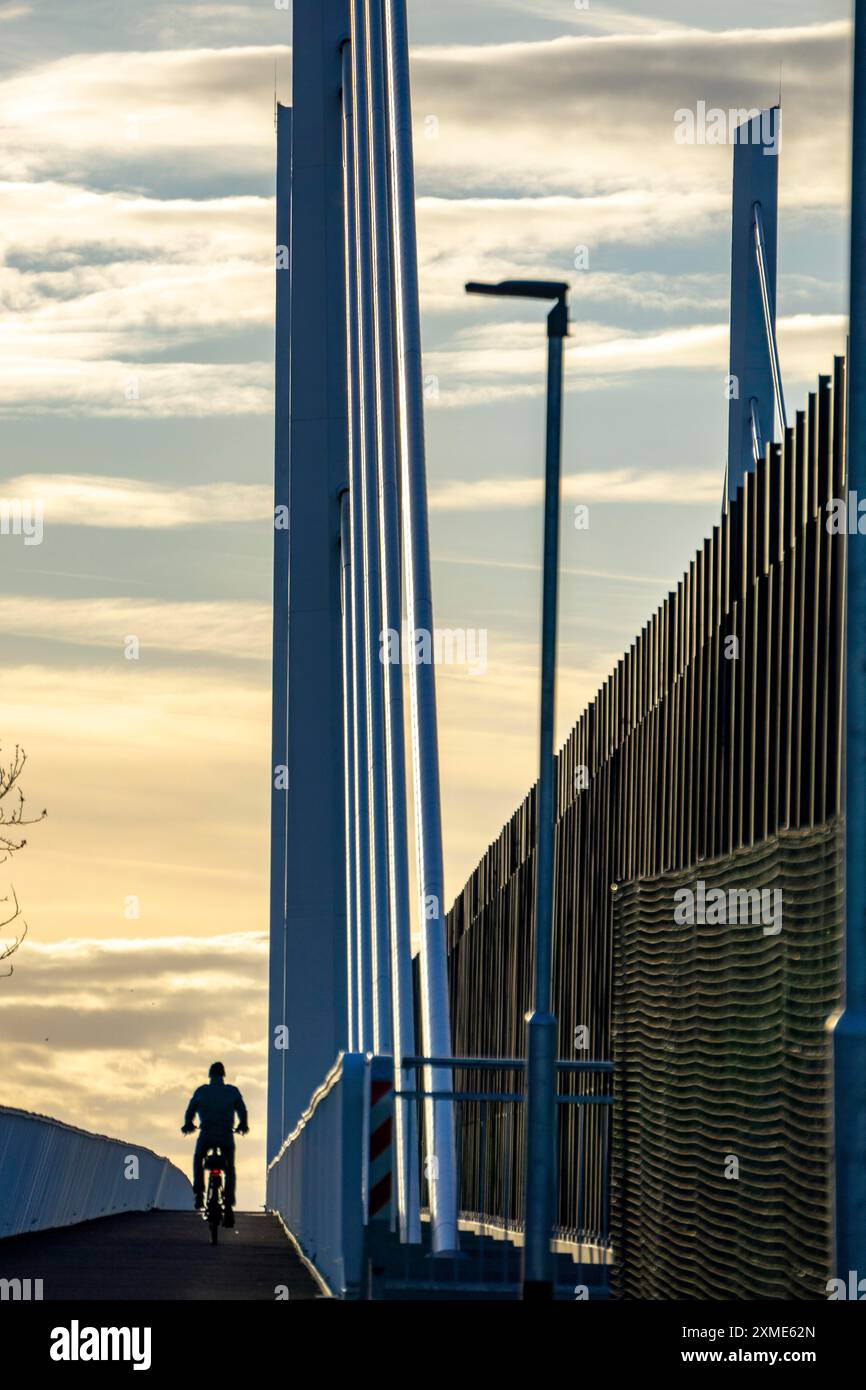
x=52, y=1174
x=316, y=1183
x=489, y=1101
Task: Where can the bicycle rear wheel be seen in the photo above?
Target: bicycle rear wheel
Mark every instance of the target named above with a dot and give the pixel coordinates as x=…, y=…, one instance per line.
x=214, y=1202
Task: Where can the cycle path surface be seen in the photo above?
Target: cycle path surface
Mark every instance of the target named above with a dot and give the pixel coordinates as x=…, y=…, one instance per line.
x=160, y=1255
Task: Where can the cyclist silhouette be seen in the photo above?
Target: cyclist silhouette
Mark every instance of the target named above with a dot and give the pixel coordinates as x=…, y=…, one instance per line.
x=216, y=1106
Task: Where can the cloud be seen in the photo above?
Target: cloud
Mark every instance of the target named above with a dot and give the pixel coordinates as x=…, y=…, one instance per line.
x=213, y=14
x=488, y=362
x=181, y=23
x=115, y=265
x=66, y=386
x=586, y=16
x=554, y=142
x=461, y=239
x=219, y=630
x=92, y=284
x=82, y=976
x=208, y=106
x=156, y=779
x=114, y=1035
x=563, y=115
x=623, y=485
x=566, y=115
x=529, y=567
x=82, y=500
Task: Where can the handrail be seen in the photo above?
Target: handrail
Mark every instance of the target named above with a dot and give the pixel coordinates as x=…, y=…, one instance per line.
x=500, y=1064
x=316, y=1183
x=501, y=1096
x=330, y=1081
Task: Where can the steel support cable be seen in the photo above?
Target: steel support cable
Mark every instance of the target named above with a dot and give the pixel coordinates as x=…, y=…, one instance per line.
x=435, y=1007
x=349, y=775
x=769, y=314
x=392, y=614
x=378, y=827
x=757, y=437
x=363, y=1035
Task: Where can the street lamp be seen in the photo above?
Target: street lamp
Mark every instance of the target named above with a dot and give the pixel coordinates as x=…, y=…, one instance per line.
x=541, y=1126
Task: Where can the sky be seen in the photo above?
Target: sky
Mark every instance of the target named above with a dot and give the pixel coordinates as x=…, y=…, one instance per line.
x=136, y=369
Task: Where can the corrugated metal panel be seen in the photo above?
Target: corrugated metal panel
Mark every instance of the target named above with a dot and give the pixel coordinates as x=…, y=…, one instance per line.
x=54, y=1175
x=721, y=1052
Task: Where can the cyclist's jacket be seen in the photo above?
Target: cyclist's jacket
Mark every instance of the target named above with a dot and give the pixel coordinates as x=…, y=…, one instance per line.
x=216, y=1105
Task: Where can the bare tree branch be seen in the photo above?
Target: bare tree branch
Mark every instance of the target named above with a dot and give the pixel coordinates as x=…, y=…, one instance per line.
x=12, y=816
x=12, y=946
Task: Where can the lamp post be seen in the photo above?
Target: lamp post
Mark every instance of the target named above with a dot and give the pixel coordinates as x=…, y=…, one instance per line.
x=541, y=1126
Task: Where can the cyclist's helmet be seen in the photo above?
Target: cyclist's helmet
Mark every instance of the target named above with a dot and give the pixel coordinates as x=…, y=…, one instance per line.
x=217, y=1069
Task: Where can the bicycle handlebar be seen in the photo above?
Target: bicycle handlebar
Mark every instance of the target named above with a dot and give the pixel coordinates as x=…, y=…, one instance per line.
x=194, y=1129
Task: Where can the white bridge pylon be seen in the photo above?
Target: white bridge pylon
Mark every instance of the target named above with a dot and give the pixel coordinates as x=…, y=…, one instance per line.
x=350, y=458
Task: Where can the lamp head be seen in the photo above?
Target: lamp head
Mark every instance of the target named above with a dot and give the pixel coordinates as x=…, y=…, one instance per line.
x=557, y=320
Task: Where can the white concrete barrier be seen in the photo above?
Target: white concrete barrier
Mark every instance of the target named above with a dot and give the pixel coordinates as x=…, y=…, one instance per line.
x=316, y=1182
x=52, y=1174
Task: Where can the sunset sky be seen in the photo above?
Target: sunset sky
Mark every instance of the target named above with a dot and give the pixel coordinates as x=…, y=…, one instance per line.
x=136, y=366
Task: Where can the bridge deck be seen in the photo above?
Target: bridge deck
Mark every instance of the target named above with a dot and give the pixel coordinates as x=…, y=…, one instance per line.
x=159, y=1255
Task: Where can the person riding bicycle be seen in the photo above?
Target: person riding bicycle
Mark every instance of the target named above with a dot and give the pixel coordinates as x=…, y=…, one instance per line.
x=216, y=1106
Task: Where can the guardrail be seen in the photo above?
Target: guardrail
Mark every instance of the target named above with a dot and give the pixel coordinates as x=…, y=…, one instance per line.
x=491, y=1142
x=52, y=1174
x=316, y=1183
x=331, y=1183
x=488, y=1096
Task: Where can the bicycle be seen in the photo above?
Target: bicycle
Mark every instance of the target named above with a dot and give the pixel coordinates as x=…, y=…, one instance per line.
x=214, y=1209
x=214, y=1205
